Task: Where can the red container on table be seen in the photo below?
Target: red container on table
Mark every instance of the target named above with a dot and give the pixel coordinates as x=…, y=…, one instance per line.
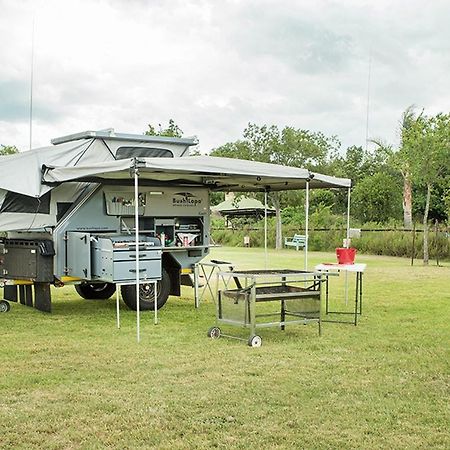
x=346, y=255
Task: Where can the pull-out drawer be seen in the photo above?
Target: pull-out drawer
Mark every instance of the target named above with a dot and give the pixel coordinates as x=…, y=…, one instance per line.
x=130, y=255
x=126, y=270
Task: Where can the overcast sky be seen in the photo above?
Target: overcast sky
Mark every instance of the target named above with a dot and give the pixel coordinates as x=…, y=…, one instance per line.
x=214, y=66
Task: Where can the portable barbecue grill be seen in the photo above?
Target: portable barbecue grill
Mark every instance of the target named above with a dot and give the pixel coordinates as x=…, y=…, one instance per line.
x=251, y=304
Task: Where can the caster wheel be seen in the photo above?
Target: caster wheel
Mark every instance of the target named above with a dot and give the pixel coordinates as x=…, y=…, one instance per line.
x=255, y=341
x=4, y=306
x=214, y=333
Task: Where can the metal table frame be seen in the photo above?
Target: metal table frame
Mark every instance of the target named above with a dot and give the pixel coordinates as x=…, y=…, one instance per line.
x=358, y=269
x=207, y=270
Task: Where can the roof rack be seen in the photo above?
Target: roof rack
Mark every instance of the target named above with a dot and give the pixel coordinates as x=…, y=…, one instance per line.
x=110, y=134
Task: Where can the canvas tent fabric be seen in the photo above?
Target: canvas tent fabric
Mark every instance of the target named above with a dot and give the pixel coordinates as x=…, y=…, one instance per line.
x=21, y=172
x=22, y=192
x=219, y=174
x=14, y=217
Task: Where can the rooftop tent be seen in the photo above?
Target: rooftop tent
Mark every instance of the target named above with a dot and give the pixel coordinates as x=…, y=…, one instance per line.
x=21, y=172
x=24, y=202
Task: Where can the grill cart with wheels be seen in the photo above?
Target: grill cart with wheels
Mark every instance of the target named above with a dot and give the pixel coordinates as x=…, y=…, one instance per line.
x=267, y=298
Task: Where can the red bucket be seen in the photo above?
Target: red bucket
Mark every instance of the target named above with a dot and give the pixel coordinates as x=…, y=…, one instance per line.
x=346, y=255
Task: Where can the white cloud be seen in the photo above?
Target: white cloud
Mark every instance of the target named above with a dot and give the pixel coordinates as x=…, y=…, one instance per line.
x=213, y=66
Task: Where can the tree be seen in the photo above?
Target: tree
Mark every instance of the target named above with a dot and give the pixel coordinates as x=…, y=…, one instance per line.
x=172, y=130
x=407, y=121
x=359, y=164
x=8, y=150
x=377, y=198
x=290, y=147
x=447, y=202
x=426, y=146
x=399, y=160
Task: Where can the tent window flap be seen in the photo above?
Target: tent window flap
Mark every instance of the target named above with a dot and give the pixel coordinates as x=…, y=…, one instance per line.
x=19, y=203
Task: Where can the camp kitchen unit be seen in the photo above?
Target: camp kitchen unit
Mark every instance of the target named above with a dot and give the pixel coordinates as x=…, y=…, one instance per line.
x=99, y=209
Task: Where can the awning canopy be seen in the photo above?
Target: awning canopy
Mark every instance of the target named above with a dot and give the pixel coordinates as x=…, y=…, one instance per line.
x=218, y=174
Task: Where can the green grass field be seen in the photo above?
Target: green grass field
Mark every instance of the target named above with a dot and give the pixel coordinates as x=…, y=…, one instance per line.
x=70, y=379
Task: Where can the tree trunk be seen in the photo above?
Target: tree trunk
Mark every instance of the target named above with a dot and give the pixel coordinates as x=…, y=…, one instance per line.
x=407, y=200
x=278, y=230
x=425, y=226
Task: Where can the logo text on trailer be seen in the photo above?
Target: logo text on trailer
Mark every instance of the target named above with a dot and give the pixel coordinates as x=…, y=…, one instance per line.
x=185, y=199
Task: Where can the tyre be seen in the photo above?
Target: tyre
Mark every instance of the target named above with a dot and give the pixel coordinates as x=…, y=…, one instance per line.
x=214, y=333
x=146, y=294
x=95, y=291
x=255, y=341
x=4, y=306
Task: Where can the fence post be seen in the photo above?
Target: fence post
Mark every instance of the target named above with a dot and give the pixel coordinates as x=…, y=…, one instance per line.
x=436, y=240
x=413, y=251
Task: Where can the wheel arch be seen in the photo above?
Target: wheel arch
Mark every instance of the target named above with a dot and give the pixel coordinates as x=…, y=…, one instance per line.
x=173, y=268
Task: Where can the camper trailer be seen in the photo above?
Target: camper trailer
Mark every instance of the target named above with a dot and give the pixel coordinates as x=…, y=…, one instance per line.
x=100, y=210
x=83, y=233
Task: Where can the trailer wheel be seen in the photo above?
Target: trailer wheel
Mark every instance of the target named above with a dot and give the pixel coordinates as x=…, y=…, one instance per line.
x=4, y=306
x=95, y=291
x=146, y=294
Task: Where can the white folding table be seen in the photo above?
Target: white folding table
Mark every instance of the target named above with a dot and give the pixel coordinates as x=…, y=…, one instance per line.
x=358, y=270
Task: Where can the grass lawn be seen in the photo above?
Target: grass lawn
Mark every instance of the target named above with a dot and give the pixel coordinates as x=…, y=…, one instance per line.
x=70, y=379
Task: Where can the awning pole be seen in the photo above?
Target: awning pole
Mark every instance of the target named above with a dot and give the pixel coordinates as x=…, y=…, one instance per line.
x=265, y=230
x=136, y=227
x=155, y=290
x=117, y=306
x=306, y=224
x=347, y=243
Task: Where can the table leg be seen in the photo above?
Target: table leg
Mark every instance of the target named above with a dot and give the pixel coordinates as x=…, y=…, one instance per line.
x=356, y=298
x=252, y=309
x=207, y=280
x=219, y=299
x=346, y=288
x=196, y=297
x=360, y=293
x=283, y=306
